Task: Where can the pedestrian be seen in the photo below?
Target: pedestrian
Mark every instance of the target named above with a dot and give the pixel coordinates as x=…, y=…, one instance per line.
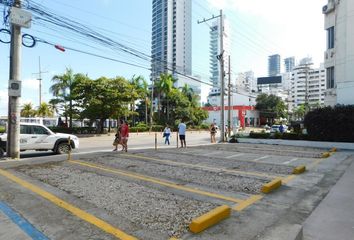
x=167, y=134
x=212, y=130
x=182, y=133
x=118, y=138
x=124, y=132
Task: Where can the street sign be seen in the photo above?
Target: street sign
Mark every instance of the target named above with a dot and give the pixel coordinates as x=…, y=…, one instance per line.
x=14, y=88
x=20, y=17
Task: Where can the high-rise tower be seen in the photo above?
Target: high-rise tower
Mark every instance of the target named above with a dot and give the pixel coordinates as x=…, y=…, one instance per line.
x=289, y=64
x=274, y=65
x=171, y=37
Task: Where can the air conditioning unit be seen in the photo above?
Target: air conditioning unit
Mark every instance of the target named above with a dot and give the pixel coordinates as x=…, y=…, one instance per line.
x=329, y=7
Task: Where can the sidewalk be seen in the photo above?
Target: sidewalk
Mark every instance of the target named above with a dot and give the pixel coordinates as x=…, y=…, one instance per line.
x=300, y=143
x=334, y=216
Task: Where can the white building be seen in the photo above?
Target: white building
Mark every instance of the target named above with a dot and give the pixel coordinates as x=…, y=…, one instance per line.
x=246, y=81
x=339, y=55
x=215, y=51
x=308, y=85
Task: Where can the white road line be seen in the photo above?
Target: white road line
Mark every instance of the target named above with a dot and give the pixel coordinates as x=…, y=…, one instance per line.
x=291, y=160
x=235, y=155
x=257, y=159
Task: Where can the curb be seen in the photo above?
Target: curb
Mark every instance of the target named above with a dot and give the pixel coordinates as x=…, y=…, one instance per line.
x=268, y=187
x=209, y=219
x=299, y=169
x=326, y=154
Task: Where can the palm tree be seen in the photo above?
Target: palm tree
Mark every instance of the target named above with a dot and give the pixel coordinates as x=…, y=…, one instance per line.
x=45, y=110
x=165, y=87
x=62, y=89
x=27, y=110
x=141, y=86
x=187, y=91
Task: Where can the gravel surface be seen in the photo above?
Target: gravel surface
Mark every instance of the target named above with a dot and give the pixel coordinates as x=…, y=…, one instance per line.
x=151, y=208
x=267, y=149
x=184, y=175
x=221, y=162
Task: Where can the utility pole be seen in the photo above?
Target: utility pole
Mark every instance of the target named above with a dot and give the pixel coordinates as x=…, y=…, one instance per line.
x=13, y=131
x=229, y=100
x=152, y=102
x=40, y=80
x=221, y=73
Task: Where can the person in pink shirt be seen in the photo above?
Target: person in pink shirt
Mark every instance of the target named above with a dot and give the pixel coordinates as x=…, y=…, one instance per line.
x=124, y=133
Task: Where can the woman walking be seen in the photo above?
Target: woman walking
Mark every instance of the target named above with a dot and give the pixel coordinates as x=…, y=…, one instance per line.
x=124, y=132
x=118, y=138
x=167, y=134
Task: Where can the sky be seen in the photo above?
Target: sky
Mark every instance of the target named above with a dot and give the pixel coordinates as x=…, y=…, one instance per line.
x=258, y=29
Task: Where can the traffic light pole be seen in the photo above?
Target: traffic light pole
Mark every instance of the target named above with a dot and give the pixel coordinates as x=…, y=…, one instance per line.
x=13, y=130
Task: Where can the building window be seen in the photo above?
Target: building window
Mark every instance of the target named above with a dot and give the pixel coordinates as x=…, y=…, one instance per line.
x=330, y=38
x=330, y=77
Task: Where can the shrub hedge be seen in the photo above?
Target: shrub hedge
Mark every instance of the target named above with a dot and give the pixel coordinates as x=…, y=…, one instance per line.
x=331, y=123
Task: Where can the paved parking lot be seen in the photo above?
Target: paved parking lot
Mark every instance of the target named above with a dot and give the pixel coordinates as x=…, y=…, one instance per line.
x=148, y=194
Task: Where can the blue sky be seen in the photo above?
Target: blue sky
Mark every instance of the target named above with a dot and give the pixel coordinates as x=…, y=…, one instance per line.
x=258, y=29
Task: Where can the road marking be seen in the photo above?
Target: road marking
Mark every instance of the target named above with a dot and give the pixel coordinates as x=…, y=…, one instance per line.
x=67, y=206
x=277, y=150
x=156, y=181
x=201, y=166
x=257, y=159
x=235, y=155
x=27, y=227
x=291, y=160
x=251, y=200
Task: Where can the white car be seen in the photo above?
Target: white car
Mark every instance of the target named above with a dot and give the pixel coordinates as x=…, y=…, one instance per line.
x=40, y=138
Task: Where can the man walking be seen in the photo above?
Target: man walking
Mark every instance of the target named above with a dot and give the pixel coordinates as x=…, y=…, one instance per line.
x=182, y=133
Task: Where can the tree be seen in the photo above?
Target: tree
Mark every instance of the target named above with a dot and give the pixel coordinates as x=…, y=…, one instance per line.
x=27, y=110
x=270, y=106
x=300, y=111
x=141, y=86
x=103, y=98
x=45, y=110
x=62, y=89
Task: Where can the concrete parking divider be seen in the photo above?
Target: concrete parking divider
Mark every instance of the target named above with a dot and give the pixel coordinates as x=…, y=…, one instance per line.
x=299, y=169
x=268, y=187
x=333, y=149
x=209, y=219
x=326, y=154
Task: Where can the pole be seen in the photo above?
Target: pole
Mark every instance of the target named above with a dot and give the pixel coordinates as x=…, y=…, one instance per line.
x=152, y=103
x=221, y=72
x=229, y=100
x=13, y=133
x=40, y=81
x=155, y=141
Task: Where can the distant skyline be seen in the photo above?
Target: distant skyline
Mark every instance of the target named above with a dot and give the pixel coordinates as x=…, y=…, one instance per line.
x=258, y=29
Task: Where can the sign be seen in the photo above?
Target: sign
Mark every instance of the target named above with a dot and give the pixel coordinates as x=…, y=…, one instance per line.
x=14, y=88
x=20, y=17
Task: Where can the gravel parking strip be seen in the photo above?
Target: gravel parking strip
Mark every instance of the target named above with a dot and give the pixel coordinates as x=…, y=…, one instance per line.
x=266, y=149
x=215, y=161
x=150, y=208
x=183, y=175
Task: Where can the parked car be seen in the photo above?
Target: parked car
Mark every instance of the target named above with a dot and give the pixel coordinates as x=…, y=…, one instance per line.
x=38, y=137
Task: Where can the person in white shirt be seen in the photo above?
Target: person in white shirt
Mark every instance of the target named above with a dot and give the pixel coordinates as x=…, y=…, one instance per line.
x=182, y=133
x=166, y=134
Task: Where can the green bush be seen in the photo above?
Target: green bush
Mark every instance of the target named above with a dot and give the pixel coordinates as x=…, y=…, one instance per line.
x=331, y=124
x=157, y=128
x=259, y=135
x=139, y=129
x=2, y=129
x=75, y=130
